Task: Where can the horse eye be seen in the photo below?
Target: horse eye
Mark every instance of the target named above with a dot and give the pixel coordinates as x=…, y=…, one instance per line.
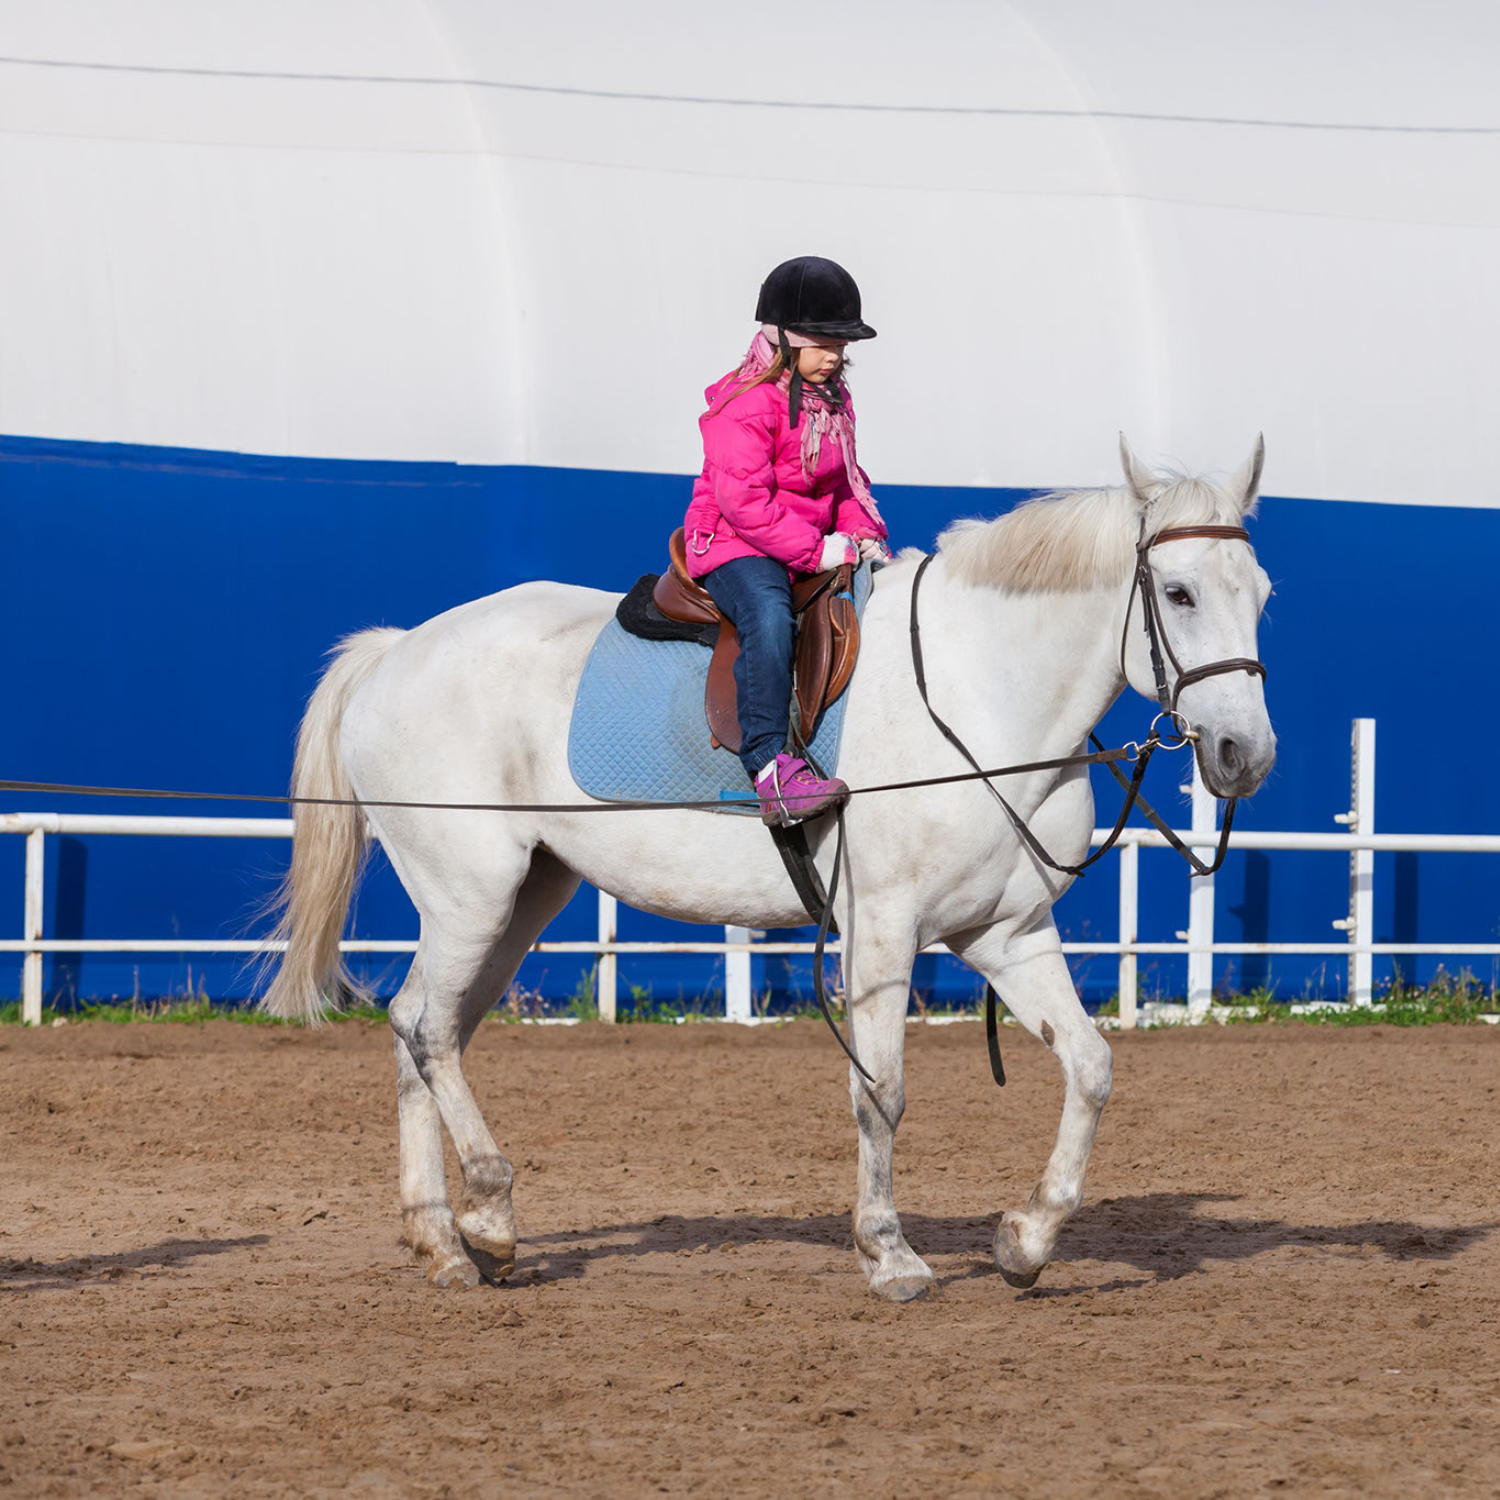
x=1180, y=596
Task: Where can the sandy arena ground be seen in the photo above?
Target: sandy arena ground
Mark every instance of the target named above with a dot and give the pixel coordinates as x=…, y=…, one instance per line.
x=1286, y=1276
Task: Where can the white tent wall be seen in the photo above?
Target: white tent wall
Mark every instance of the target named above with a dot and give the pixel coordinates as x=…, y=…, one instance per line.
x=389, y=230
x=222, y=232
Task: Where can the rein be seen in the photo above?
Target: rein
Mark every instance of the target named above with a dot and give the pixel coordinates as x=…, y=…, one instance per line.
x=792, y=843
x=1144, y=584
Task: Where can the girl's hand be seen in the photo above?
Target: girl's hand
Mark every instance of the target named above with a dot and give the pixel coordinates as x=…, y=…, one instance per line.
x=838, y=549
x=872, y=549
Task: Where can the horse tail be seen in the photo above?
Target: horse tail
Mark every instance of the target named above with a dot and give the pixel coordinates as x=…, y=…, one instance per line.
x=329, y=844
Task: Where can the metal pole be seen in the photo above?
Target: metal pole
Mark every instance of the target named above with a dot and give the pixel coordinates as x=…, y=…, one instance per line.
x=1361, y=819
x=608, y=971
x=736, y=977
x=1130, y=880
x=1200, y=933
x=31, y=929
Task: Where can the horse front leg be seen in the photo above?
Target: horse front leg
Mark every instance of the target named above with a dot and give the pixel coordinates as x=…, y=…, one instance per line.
x=877, y=970
x=1029, y=972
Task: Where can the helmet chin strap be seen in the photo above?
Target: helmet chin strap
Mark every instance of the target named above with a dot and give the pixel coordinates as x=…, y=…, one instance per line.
x=794, y=395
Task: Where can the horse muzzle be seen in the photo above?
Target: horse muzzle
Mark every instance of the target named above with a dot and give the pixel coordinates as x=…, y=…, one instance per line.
x=1234, y=764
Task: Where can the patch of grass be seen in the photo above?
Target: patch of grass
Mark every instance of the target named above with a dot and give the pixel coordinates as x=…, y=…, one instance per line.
x=647, y=1009
x=183, y=1010
x=1445, y=1000
x=583, y=1004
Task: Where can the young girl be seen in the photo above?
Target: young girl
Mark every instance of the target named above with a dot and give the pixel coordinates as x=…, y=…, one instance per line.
x=782, y=493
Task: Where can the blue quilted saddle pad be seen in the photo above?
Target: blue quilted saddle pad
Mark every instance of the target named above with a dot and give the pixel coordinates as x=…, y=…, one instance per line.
x=638, y=733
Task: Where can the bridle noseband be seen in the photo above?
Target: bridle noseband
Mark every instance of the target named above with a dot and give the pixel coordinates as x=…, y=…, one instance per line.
x=1144, y=584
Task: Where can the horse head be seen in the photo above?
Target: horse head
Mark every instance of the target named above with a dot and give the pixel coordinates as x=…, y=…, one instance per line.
x=1197, y=571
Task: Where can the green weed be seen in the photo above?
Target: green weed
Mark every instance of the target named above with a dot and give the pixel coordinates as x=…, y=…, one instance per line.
x=583, y=1003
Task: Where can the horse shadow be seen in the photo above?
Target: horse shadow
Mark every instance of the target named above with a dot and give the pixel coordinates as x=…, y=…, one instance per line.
x=27, y=1275
x=1160, y=1236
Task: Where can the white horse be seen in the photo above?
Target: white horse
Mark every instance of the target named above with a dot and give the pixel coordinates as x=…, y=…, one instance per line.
x=1023, y=620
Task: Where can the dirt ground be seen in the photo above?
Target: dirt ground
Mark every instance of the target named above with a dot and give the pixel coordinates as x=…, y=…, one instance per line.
x=1286, y=1275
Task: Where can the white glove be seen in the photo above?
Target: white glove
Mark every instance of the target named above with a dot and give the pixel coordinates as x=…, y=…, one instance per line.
x=872, y=549
x=838, y=549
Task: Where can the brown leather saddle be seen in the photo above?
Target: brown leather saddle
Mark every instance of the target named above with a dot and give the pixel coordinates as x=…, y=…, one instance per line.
x=827, y=642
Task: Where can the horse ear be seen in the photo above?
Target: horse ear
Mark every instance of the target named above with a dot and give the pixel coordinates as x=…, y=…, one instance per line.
x=1139, y=479
x=1245, y=485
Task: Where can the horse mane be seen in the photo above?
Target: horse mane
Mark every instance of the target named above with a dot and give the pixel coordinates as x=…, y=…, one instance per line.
x=1068, y=541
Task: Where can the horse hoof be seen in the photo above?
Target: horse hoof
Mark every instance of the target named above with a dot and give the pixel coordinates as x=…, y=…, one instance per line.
x=1009, y=1260
x=456, y=1270
x=490, y=1226
x=492, y=1266
x=903, y=1288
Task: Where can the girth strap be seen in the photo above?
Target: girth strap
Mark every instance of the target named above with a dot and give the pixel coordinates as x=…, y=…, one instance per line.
x=791, y=845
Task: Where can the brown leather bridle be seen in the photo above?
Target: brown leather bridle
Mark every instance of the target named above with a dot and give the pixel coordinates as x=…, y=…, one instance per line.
x=1144, y=584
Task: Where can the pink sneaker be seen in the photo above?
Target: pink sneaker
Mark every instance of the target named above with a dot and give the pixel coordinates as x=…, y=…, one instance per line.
x=790, y=792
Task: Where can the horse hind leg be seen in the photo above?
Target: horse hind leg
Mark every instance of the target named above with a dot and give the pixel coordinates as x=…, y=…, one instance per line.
x=456, y=980
x=485, y=1216
x=427, y=1222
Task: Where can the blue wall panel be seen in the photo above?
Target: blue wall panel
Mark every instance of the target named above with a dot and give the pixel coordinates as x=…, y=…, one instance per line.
x=166, y=613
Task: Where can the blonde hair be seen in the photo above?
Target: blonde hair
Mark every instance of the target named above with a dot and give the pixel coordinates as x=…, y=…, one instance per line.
x=773, y=371
x=776, y=369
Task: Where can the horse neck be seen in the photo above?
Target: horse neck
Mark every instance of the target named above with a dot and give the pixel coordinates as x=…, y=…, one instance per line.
x=1034, y=672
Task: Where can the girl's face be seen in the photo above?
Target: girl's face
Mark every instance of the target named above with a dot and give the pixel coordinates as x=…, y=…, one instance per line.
x=818, y=362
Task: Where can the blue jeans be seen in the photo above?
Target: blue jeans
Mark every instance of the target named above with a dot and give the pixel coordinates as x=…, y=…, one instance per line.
x=756, y=594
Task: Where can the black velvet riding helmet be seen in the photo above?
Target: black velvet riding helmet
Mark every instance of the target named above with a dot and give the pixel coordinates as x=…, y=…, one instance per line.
x=815, y=297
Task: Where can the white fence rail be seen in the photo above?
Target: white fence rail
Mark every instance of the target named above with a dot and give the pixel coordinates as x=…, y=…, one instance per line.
x=1360, y=842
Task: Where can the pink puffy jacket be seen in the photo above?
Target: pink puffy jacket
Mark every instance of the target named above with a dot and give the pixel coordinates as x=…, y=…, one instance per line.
x=752, y=498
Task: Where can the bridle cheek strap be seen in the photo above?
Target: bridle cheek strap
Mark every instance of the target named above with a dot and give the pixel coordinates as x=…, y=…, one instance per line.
x=1161, y=648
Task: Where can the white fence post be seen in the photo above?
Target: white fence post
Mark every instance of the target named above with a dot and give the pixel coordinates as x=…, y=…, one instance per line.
x=1200, y=933
x=31, y=930
x=1130, y=884
x=1361, y=819
x=736, y=977
x=608, y=973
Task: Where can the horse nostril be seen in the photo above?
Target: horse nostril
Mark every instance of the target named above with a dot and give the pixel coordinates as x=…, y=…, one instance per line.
x=1229, y=756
